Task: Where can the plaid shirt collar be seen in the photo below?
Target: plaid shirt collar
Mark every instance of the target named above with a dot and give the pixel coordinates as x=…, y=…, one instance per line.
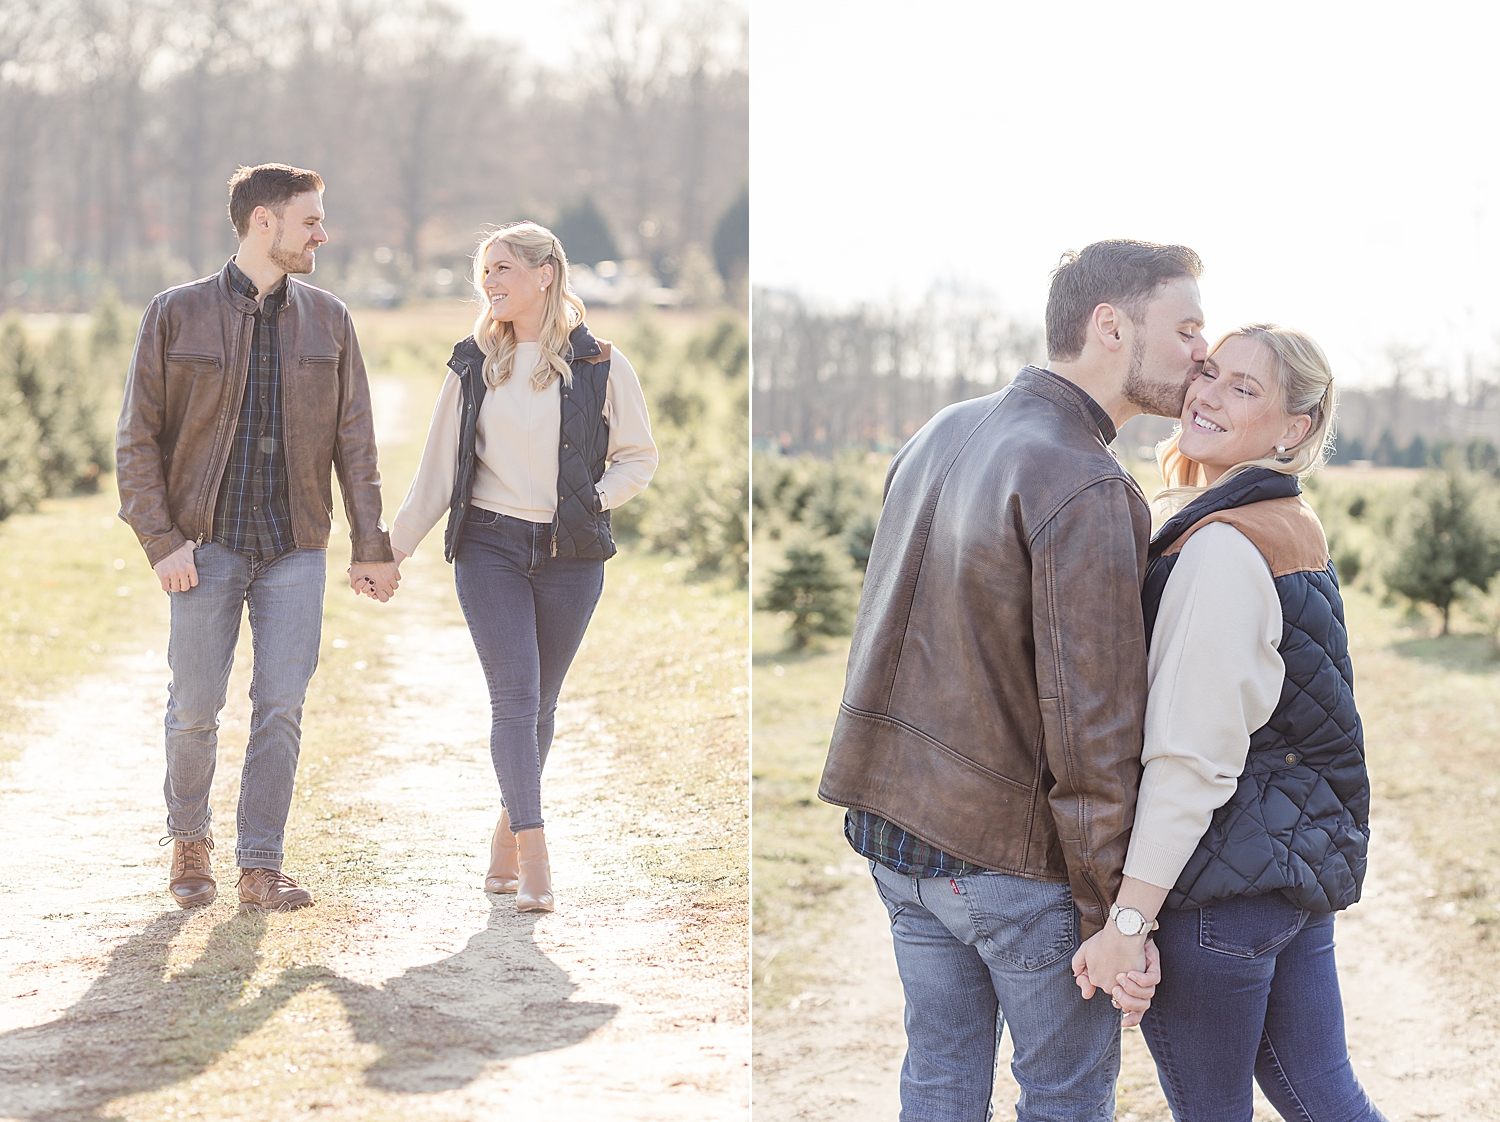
x=246, y=287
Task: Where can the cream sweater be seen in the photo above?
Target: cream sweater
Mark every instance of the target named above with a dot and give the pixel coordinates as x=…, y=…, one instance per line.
x=1213, y=677
x=516, y=448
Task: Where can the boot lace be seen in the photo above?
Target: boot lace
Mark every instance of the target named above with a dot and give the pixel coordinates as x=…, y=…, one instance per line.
x=273, y=880
x=187, y=858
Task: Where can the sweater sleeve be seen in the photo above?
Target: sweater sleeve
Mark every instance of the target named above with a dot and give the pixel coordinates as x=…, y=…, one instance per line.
x=631, y=453
x=1214, y=677
x=431, y=491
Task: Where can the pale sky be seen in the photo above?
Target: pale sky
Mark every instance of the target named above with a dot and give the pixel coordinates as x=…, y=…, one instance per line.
x=546, y=30
x=1336, y=166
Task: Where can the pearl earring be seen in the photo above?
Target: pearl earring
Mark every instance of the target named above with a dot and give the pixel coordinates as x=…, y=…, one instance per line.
x=1281, y=448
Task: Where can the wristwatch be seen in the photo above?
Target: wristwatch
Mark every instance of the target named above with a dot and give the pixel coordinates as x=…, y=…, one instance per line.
x=1128, y=921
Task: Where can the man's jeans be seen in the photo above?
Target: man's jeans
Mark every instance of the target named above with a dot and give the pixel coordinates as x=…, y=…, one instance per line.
x=1249, y=990
x=974, y=952
x=285, y=596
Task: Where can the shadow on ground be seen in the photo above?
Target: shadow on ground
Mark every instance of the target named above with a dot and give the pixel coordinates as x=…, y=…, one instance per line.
x=138, y=1030
x=1467, y=654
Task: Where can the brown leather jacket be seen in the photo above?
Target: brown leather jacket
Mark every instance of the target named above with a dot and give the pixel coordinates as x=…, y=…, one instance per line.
x=997, y=680
x=182, y=401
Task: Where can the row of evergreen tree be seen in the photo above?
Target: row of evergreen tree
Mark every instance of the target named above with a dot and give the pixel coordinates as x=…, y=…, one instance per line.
x=1478, y=454
x=1433, y=540
x=56, y=407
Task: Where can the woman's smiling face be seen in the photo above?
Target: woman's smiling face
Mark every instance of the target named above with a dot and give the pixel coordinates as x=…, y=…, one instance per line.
x=1234, y=409
x=514, y=291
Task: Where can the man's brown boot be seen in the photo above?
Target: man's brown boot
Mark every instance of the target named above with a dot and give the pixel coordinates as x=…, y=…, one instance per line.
x=191, y=881
x=270, y=890
x=505, y=870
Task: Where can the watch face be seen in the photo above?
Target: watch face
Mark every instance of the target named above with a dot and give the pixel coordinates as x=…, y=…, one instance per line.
x=1129, y=921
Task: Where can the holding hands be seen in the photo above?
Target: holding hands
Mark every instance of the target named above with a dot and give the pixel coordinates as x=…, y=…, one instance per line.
x=1121, y=959
x=376, y=579
x=1124, y=966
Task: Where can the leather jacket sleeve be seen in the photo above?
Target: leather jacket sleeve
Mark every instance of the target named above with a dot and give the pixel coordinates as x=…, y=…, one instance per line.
x=1088, y=563
x=140, y=471
x=354, y=456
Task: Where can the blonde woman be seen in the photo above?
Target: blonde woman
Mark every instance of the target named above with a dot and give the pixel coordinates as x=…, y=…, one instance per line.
x=1253, y=818
x=539, y=432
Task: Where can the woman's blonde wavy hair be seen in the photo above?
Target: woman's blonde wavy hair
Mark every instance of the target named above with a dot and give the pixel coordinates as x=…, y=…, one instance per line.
x=533, y=246
x=1306, y=384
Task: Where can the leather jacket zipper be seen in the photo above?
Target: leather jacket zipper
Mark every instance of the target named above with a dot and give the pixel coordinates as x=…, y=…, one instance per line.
x=221, y=457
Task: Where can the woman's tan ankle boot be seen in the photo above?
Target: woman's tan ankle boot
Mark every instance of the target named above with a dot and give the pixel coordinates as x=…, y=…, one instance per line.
x=505, y=873
x=535, y=892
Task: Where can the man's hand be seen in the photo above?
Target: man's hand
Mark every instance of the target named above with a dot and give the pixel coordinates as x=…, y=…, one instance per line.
x=1104, y=957
x=176, y=570
x=1134, y=990
x=375, y=579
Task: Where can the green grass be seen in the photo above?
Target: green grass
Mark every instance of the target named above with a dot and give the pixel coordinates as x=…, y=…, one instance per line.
x=801, y=860
x=77, y=592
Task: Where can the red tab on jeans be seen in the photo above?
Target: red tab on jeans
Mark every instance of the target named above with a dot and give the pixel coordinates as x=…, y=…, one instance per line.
x=954, y=883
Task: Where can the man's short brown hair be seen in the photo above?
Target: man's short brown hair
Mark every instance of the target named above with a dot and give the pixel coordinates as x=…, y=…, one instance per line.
x=269, y=185
x=1119, y=272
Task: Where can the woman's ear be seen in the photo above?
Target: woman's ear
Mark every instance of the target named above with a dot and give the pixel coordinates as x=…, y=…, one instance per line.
x=545, y=275
x=1296, y=432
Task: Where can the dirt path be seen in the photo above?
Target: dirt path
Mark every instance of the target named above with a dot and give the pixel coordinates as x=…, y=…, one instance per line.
x=834, y=1054
x=617, y=1018
x=407, y=992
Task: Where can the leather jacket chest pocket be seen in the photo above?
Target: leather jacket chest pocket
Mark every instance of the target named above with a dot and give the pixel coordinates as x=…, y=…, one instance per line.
x=192, y=385
x=182, y=365
x=313, y=386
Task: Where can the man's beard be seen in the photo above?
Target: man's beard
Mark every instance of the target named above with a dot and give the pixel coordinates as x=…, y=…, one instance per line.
x=290, y=260
x=1160, y=399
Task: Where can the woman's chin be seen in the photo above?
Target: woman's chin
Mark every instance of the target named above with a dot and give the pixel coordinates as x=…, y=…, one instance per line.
x=1199, y=455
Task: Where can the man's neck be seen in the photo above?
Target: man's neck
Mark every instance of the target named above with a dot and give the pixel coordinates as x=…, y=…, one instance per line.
x=264, y=274
x=1106, y=387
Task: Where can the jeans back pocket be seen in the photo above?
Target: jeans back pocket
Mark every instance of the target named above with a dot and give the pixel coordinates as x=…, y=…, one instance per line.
x=1027, y=923
x=1249, y=926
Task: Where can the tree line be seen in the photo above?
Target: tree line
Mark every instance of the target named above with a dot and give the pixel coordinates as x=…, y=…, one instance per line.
x=122, y=120
x=58, y=397
x=867, y=377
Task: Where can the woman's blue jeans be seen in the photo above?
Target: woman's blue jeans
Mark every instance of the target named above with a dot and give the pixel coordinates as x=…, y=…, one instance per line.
x=1249, y=991
x=527, y=612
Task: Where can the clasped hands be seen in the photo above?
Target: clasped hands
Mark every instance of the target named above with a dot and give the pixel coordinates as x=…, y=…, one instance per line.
x=376, y=579
x=1122, y=966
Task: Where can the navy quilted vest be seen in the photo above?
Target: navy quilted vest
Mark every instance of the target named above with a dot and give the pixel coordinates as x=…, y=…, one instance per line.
x=579, y=528
x=1298, y=823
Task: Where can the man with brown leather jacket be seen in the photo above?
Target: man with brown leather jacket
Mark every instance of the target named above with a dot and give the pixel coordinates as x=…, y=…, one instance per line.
x=989, y=740
x=245, y=391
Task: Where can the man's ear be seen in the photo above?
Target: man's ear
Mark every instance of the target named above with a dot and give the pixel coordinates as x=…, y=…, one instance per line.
x=1106, y=322
x=260, y=219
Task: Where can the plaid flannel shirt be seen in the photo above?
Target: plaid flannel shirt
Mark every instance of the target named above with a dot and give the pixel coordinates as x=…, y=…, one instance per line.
x=900, y=850
x=253, y=514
